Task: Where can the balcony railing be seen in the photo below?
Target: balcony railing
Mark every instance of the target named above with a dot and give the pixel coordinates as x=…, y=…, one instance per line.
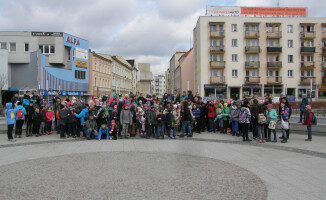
x=323, y=50
x=252, y=64
x=323, y=64
x=217, y=79
x=274, y=49
x=305, y=80
x=274, y=79
x=274, y=64
x=251, y=34
x=307, y=35
x=307, y=65
x=217, y=64
x=217, y=33
x=252, y=49
x=217, y=49
x=274, y=34
x=252, y=80
x=308, y=49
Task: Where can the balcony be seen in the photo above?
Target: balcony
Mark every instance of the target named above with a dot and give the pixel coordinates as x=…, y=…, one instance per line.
x=252, y=80
x=217, y=64
x=308, y=50
x=217, y=34
x=217, y=79
x=305, y=80
x=252, y=49
x=323, y=50
x=274, y=35
x=217, y=49
x=251, y=34
x=323, y=64
x=307, y=65
x=274, y=80
x=274, y=49
x=252, y=64
x=274, y=64
x=307, y=35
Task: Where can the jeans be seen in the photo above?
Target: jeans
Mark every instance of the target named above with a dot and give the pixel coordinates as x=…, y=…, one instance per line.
x=160, y=130
x=309, y=132
x=221, y=123
x=274, y=133
x=71, y=129
x=42, y=128
x=48, y=127
x=9, y=131
x=254, y=131
x=212, y=125
x=151, y=130
x=19, y=127
x=187, y=124
x=91, y=132
x=245, y=128
x=235, y=127
x=29, y=126
x=124, y=131
x=63, y=130
x=169, y=130
x=284, y=133
x=261, y=132
x=301, y=114
x=197, y=125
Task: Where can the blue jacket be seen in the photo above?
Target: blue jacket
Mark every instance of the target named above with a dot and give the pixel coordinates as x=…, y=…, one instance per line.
x=82, y=115
x=24, y=112
x=11, y=113
x=103, y=131
x=196, y=113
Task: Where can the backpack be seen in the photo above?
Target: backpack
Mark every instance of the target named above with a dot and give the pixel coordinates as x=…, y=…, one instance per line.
x=57, y=115
x=314, y=120
x=20, y=114
x=243, y=116
x=261, y=118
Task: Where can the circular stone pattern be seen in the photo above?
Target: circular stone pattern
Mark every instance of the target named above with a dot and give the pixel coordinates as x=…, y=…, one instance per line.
x=128, y=175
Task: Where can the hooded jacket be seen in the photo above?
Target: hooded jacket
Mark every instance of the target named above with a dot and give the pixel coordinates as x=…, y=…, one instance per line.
x=24, y=112
x=82, y=115
x=11, y=113
x=151, y=117
x=234, y=114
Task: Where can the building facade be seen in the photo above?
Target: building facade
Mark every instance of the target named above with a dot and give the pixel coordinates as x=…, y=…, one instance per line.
x=48, y=62
x=186, y=71
x=174, y=63
x=100, y=75
x=121, y=75
x=243, y=56
x=134, y=75
x=145, y=79
x=158, y=85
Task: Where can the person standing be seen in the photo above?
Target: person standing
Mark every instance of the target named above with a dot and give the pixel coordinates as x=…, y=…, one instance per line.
x=244, y=120
x=160, y=124
x=186, y=118
x=20, y=119
x=151, y=120
x=234, y=117
x=29, y=117
x=308, y=121
x=10, y=112
x=125, y=120
x=211, y=116
x=271, y=117
x=196, y=114
x=304, y=103
x=63, y=113
x=36, y=99
x=284, y=116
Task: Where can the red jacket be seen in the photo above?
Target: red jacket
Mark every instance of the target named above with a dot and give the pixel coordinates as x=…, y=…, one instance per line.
x=211, y=111
x=308, y=116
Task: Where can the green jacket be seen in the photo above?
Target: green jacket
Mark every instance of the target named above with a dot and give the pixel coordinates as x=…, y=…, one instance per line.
x=273, y=115
x=226, y=110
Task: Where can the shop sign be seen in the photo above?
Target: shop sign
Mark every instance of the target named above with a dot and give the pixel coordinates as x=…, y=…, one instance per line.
x=51, y=34
x=81, y=64
x=62, y=93
x=252, y=86
x=215, y=86
x=72, y=40
x=205, y=99
x=81, y=53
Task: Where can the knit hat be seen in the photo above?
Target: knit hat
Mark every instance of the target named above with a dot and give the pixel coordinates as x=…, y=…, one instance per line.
x=112, y=121
x=229, y=102
x=308, y=107
x=226, y=104
x=93, y=97
x=115, y=106
x=61, y=106
x=175, y=106
x=114, y=95
x=270, y=105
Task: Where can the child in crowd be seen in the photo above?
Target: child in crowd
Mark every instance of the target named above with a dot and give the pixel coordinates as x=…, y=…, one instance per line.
x=234, y=117
x=125, y=120
x=196, y=113
x=42, y=126
x=29, y=117
x=10, y=112
x=169, y=122
x=142, y=121
x=160, y=125
x=103, y=132
x=49, y=116
x=271, y=117
x=113, y=130
x=308, y=121
x=20, y=119
x=284, y=121
x=37, y=120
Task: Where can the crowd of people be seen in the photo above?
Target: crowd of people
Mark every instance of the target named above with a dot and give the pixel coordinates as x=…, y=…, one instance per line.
x=118, y=117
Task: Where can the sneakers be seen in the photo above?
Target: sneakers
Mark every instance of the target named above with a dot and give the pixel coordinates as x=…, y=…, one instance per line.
x=268, y=140
x=308, y=140
x=260, y=141
x=274, y=141
x=170, y=137
x=49, y=133
x=284, y=141
x=299, y=122
x=36, y=135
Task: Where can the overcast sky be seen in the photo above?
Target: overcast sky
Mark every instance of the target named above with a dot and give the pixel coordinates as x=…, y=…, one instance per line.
x=146, y=30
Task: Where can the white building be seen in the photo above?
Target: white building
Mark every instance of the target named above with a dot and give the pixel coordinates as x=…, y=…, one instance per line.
x=158, y=85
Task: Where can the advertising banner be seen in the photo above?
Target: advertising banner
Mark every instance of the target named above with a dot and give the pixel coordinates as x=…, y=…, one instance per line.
x=81, y=53
x=81, y=64
x=255, y=11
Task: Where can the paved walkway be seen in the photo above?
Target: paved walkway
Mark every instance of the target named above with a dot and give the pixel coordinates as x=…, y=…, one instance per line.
x=295, y=170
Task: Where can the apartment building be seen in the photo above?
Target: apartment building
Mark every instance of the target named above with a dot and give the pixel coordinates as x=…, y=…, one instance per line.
x=158, y=85
x=100, y=75
x=134, y=75
x=186, y=71
x=237, y=56
x=174, y=63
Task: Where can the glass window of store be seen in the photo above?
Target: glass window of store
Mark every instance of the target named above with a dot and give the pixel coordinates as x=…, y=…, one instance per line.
x=273, y=90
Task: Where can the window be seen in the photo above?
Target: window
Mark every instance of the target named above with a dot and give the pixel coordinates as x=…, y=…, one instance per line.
x=254, y=28
x=3, y=45
x=270, y=73
x=52, y=49
x=270, y=43
x=233, y=27
x=323, y=28
x=95, y=66
x=290, y=73
x=310, y=73
x=234, y=42
x=234, y=73
x=48, y=49
x=212, y=28
x=80, y=74
x=290, y=28
x=213, y=57
x=95, y=81
x=290, y=43
x=41, y=48
x=26, y=47
x=255, y=43
x=255, y=73
x=269, y=29
x=12, y=46
x=290, y=58
x=310, y=58
x=234, y=57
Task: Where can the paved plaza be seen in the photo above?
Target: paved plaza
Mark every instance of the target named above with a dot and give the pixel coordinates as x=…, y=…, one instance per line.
x=207, y=166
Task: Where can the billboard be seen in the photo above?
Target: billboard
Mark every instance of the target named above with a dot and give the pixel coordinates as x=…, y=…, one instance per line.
x=255, y=11
x=81, y=53
x=81, y=64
